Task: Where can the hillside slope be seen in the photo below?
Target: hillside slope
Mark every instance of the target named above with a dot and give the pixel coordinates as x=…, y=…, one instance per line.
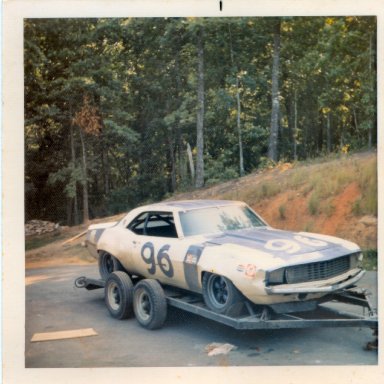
x=334, y=197
x=331, y=196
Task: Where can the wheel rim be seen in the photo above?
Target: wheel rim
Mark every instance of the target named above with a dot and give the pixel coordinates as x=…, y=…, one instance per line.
x=114, y=298
x=144, y=306
x=218, y=291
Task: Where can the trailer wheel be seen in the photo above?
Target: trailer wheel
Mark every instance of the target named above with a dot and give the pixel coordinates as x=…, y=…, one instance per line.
x=149, y=304
x=119, y=295
x=220, y=294
x=108, y=264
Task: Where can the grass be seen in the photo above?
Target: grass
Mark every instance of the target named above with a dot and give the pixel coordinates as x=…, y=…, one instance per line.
x=367, y=182
x=370, y=259
x=321, y=180
x=37, y=242
x=282, y=209
x=314, y=204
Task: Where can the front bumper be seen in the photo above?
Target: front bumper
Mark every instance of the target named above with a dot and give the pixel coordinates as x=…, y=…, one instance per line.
x=295, y=288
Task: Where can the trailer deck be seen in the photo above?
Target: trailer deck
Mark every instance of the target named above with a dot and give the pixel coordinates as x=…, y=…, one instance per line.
x=330, y=313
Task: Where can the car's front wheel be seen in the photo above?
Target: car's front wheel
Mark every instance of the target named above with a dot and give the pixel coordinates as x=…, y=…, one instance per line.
x=220, y=294
x=108, y=264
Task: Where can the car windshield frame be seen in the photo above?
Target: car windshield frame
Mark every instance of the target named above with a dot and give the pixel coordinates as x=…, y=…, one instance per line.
x=191, y=220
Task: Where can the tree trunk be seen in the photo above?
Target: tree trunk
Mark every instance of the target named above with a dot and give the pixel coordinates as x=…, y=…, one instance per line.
x=85, y=180
x=329, y=138
x=105, y=167
x=273, y=137
x=241, y=157
x=190, y=159
x=295, y=129
x=73, y=158
x=370, y=127
x=173, y=163
x=199, y=182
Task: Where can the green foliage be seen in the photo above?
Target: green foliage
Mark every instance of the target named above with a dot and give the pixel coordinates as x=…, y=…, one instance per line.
x=68, y=177
x=367, y=182
x=119, y=200
x=282, y=210
x=314, y=204
x=370, y=259
x=41, y=241
x=218, y=171
x=140, y=75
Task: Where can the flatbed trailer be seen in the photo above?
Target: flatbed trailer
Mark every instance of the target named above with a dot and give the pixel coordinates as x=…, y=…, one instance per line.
x=253, y=317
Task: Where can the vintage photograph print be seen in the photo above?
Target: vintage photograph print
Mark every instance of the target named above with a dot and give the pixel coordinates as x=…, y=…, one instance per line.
x=200, y=191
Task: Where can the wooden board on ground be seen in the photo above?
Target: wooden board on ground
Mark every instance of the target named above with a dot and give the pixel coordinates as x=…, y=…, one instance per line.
x=61, y=335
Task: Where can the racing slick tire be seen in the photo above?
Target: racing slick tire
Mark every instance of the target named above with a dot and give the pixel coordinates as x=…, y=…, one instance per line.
x=108, y=264
x=220, y=295
x=119, y=295
x=149, y=304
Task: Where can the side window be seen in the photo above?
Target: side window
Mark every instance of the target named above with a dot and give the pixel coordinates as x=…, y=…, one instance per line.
x=159, y=224
x=137, y=224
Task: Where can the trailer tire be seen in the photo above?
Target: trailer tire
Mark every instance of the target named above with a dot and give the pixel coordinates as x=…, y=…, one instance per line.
x=108, y=264
x=220, y=294
x=119, y=295
x=149, y=304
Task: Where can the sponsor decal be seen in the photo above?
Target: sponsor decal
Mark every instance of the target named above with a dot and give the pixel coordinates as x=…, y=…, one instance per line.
x=250, y=271
x=191, y=270
x=191, y=258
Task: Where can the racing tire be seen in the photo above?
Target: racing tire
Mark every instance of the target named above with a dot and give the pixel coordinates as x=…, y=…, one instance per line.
x=220, y=295
x=119, y=295
x=108, y=264
x=149, y=304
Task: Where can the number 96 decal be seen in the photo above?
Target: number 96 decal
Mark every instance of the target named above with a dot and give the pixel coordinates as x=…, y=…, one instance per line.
x=162, y=258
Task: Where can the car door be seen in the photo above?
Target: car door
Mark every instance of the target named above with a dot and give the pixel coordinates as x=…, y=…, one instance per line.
x=157, y=250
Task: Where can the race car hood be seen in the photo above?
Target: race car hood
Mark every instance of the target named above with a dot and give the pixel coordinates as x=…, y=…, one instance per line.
x=285, y=245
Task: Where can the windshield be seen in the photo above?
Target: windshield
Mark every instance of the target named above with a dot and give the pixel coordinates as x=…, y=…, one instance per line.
x=218, y=219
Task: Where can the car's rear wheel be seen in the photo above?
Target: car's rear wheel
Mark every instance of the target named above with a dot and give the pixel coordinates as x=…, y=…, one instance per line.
x=220, y=294
x=119, y=295
x=149, y=304
x=108, y=264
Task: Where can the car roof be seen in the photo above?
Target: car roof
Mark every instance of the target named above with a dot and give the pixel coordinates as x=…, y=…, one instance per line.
x=191, y=204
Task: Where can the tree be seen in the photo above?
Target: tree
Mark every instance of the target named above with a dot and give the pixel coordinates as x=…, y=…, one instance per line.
x=200, y=110
x=275, y=112
x=228, y=88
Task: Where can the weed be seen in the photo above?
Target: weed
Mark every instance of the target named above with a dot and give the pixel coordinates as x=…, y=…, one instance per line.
x=282, y=210
x=329, y=209
x=356, y=208
x=309, y=226
x=40, y=241
x=370, y=259
x=314, y=204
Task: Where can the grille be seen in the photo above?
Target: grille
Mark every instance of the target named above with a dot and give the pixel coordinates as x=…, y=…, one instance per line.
x=317, y=271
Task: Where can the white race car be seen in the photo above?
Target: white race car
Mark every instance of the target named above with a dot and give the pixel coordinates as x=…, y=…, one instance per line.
x=226, y=252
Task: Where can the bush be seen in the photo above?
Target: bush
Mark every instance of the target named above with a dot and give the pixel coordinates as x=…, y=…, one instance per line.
x=370, y=259
x=314, y=204
x=217, y=170
x=282, y=210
